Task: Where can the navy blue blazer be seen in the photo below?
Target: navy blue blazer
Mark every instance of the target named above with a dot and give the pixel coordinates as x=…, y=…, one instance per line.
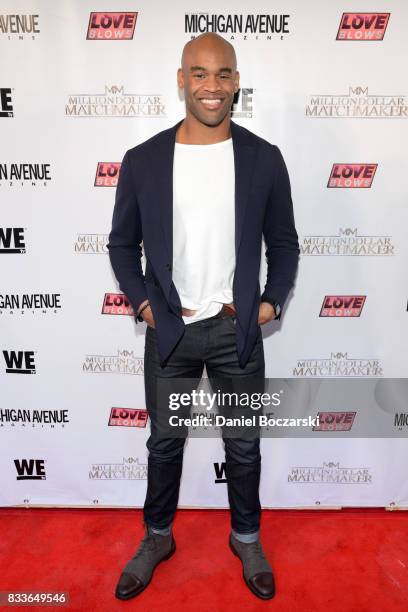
x=143, y=213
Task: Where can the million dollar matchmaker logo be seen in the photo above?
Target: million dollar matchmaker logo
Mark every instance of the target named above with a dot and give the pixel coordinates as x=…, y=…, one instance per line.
x=115, y=102
x=129, y=469
x=357, y=104
x=267, y=25
x=125, y=362
x=347, y=243
x=338, y=365
x=91, y=244
x=330, y=473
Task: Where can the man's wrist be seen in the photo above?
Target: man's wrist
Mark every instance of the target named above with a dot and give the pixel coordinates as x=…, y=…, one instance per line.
x=142, y=307
x=275, y=304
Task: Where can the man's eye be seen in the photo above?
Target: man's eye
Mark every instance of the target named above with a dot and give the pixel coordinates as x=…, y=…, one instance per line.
x=225, y=76
x=199, y=75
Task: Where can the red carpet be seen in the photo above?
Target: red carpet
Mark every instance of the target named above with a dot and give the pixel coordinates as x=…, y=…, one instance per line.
x=348, y=561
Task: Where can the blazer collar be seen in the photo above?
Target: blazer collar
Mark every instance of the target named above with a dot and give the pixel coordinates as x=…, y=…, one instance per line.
x=163, y=156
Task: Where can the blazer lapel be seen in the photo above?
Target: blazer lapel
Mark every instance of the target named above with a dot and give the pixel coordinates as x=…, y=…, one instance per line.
x=163, y=159
x=244, y=163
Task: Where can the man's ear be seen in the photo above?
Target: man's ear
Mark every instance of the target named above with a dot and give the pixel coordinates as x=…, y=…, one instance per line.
x=236, y=81
x=180, y=78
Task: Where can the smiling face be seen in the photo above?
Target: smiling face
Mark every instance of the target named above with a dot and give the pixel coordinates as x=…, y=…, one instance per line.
x=209, y=78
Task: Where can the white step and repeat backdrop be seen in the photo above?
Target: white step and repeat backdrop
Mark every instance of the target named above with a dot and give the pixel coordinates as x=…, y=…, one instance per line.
x=80, y=87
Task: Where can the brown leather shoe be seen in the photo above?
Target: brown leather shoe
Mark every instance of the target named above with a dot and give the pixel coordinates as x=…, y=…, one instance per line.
x=257, y=571
x=138, y=572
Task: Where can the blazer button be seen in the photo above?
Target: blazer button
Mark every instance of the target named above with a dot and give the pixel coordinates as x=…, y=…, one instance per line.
x=168, y=266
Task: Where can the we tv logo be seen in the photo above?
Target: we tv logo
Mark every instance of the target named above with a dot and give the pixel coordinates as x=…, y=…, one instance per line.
x=30, y=469
x=362, y=26
x=342, y=305
x=19, y=362
x=111, y=26
x=220, y=472
x=352, y=176
x=107, y=174
x=12, y=240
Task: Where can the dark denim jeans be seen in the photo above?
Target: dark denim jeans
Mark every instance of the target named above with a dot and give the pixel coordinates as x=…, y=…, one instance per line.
x=211, y=342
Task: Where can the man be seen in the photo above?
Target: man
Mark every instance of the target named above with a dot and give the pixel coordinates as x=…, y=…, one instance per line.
x=200, y=195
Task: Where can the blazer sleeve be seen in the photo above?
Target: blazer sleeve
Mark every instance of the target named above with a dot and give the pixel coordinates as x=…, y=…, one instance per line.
x=281, y=239
x=125, y=239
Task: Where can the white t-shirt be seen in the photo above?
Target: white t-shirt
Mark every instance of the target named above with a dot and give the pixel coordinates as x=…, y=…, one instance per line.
x=203, y=226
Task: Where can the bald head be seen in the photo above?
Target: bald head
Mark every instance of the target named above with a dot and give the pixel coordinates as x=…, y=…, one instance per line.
x=209, y=78
x=208, y=42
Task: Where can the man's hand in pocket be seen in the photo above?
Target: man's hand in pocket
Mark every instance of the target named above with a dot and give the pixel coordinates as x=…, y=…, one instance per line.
x=147, y=315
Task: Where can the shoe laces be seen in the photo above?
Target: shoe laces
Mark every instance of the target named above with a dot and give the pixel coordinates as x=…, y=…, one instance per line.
x=148, y=544
x=256, y=548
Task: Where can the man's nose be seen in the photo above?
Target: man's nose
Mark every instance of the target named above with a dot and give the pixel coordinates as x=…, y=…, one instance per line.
x=212, y=83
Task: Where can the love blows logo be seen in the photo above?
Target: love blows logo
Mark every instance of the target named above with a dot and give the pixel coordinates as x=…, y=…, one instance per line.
x=128, y=417
x=342, y=305
x=116, y=304
x=352, y=175
x=362, y=26
x=111, y=26
x=107, y=174
x=335, y=421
